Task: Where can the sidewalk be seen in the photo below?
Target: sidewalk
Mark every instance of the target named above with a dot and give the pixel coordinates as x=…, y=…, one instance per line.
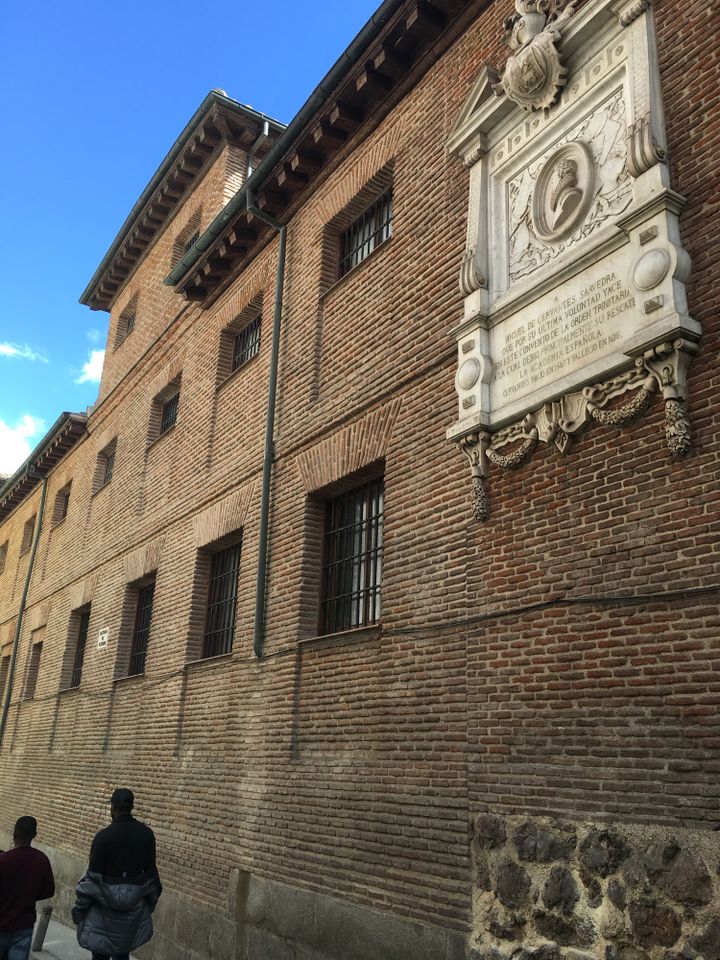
x=60, y=944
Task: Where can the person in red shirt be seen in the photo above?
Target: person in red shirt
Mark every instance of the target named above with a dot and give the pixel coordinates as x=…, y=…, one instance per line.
x=25, y=877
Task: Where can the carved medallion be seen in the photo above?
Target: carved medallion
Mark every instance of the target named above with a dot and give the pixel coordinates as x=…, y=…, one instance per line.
x=564, y=192
x=535, y=75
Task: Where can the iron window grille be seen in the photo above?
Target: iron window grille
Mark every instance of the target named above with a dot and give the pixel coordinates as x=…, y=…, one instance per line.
x=168, y=417
x=141, y=631
x=83, y=624
x=63, y=505
x=33, y=671
x=130, y=324
x=108, y=468
x=366, y=233
x=352, y=567
x=246, y=343
x=222, y=602
x=191, y=242
x=3, y=555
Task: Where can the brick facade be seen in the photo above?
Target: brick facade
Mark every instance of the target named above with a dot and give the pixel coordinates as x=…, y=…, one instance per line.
x=559, y=662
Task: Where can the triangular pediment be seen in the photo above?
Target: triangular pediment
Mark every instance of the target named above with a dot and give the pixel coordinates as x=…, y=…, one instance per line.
x=480, y=105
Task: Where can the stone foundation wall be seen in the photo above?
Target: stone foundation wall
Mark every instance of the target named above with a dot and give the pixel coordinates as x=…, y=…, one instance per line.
x=546, y=890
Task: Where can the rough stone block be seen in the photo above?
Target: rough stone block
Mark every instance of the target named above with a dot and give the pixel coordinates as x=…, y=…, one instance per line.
x=537, y=844
x=490, y=831
x=560, y=891
x=707, y=943
x=654, y=925
x=567, y=932
x=602, y=852
x=512, y=884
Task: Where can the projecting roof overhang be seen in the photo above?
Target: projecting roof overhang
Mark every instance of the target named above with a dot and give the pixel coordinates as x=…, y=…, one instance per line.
x=391, y=53
x=219, y=119
x=62, y=437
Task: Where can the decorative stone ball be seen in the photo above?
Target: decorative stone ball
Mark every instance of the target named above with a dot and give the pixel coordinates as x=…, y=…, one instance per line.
x=651, y=269
x=468, y=374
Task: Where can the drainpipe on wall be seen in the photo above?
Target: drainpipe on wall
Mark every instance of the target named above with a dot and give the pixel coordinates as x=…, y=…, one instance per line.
x=21, y=612
x=259, y=634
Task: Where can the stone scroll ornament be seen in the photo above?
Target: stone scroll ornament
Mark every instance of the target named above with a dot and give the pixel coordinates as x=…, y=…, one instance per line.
x=661, y=370
x=534, y=74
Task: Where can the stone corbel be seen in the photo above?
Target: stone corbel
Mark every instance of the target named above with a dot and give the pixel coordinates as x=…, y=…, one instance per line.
x=668, y=363
x=643, y=150
x=474, y=446
x=526, y=432
x=632, y=11
x=471, y=278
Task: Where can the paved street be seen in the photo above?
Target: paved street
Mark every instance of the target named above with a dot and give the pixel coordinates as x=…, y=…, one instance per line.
x=60, y=944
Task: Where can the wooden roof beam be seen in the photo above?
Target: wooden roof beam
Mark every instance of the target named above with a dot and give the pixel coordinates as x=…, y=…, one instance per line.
x=325, y=135
x=306, y=162
x=344, y=117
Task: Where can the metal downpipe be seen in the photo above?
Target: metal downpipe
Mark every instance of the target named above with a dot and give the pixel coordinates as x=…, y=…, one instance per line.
x=261, y=583
x=21, y=612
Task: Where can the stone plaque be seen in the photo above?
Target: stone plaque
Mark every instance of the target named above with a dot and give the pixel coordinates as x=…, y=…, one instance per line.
x=574, y=273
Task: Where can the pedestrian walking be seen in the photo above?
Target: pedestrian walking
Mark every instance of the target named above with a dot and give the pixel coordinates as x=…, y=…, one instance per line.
x=25, y=877
x=117, y=894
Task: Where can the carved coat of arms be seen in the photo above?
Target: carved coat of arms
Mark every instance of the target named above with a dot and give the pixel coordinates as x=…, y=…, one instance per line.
x=534, y=75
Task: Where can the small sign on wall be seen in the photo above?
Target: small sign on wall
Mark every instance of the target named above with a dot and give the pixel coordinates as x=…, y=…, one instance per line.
x=103, y=638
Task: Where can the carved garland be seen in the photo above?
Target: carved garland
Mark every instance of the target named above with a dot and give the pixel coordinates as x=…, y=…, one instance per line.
x=661, y=369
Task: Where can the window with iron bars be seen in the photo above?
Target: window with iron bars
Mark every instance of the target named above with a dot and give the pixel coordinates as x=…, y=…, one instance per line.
x=222, y=602
x=108, y=467
x=82, y=634
x=366, y=233
x=129, y=323
x=190, y=243
x=246, y=343
x=141, y=630
x=168, y=416
x=352, y=564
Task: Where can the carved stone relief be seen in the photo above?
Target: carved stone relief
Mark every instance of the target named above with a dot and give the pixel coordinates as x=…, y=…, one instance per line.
x=570, y=192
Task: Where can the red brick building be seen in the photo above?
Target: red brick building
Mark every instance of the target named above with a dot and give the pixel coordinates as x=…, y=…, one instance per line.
x=364, y=719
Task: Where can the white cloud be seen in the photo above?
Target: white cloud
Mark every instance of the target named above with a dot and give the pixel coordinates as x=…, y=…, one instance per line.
x=92, y=369
x=93, y=335
x=22, y=352
x=15, y=444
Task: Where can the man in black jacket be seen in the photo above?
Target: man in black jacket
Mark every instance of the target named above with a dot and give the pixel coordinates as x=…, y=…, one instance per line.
x=25, y=877
x=122, y=857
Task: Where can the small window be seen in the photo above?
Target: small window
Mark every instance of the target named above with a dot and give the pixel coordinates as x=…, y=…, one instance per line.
x=191, y=241
x=368, y=231
x=164, y=410
x=4, y=670
x=141, y=629
x=169, y=413
x=105, y=467
x=352, y=565
x=222, y=601
x=82, y=623
x=27, y=537
x=33, y=667
x=126, y=321
x=246, y=343
x=62, y=504
x=129, y=323
x=3, y=554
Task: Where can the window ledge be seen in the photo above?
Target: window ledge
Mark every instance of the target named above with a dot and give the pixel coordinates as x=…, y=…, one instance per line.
x=156, y=441
x=69, y=689
x=129, y=677
x=231, y=376
x=100, y=489
x=356, y=270
x=58, y=523
x=193, y=665
x=371, y=632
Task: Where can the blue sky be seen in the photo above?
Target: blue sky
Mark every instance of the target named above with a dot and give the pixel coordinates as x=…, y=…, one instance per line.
x=93, y=96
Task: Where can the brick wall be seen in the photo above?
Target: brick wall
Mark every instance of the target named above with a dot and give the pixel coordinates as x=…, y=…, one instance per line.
x=353, y=766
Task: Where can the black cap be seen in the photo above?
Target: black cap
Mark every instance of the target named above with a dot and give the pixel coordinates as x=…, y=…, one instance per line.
x=122, y=798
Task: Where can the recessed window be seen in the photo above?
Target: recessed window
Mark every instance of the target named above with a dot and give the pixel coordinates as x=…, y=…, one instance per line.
x=126, y=320
x=4, y=670
x=3, y=554
x=80, y=623
x=129, y=323
x=105, y=466
x=164, y=410
x=62, y=504
x=246, y=343
x=27, y=536
x=221, y=601
x=352, y=558
x=141, y=629
x=168, y=417
x=34, y=665
x=191, y=241
x=368, y=231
